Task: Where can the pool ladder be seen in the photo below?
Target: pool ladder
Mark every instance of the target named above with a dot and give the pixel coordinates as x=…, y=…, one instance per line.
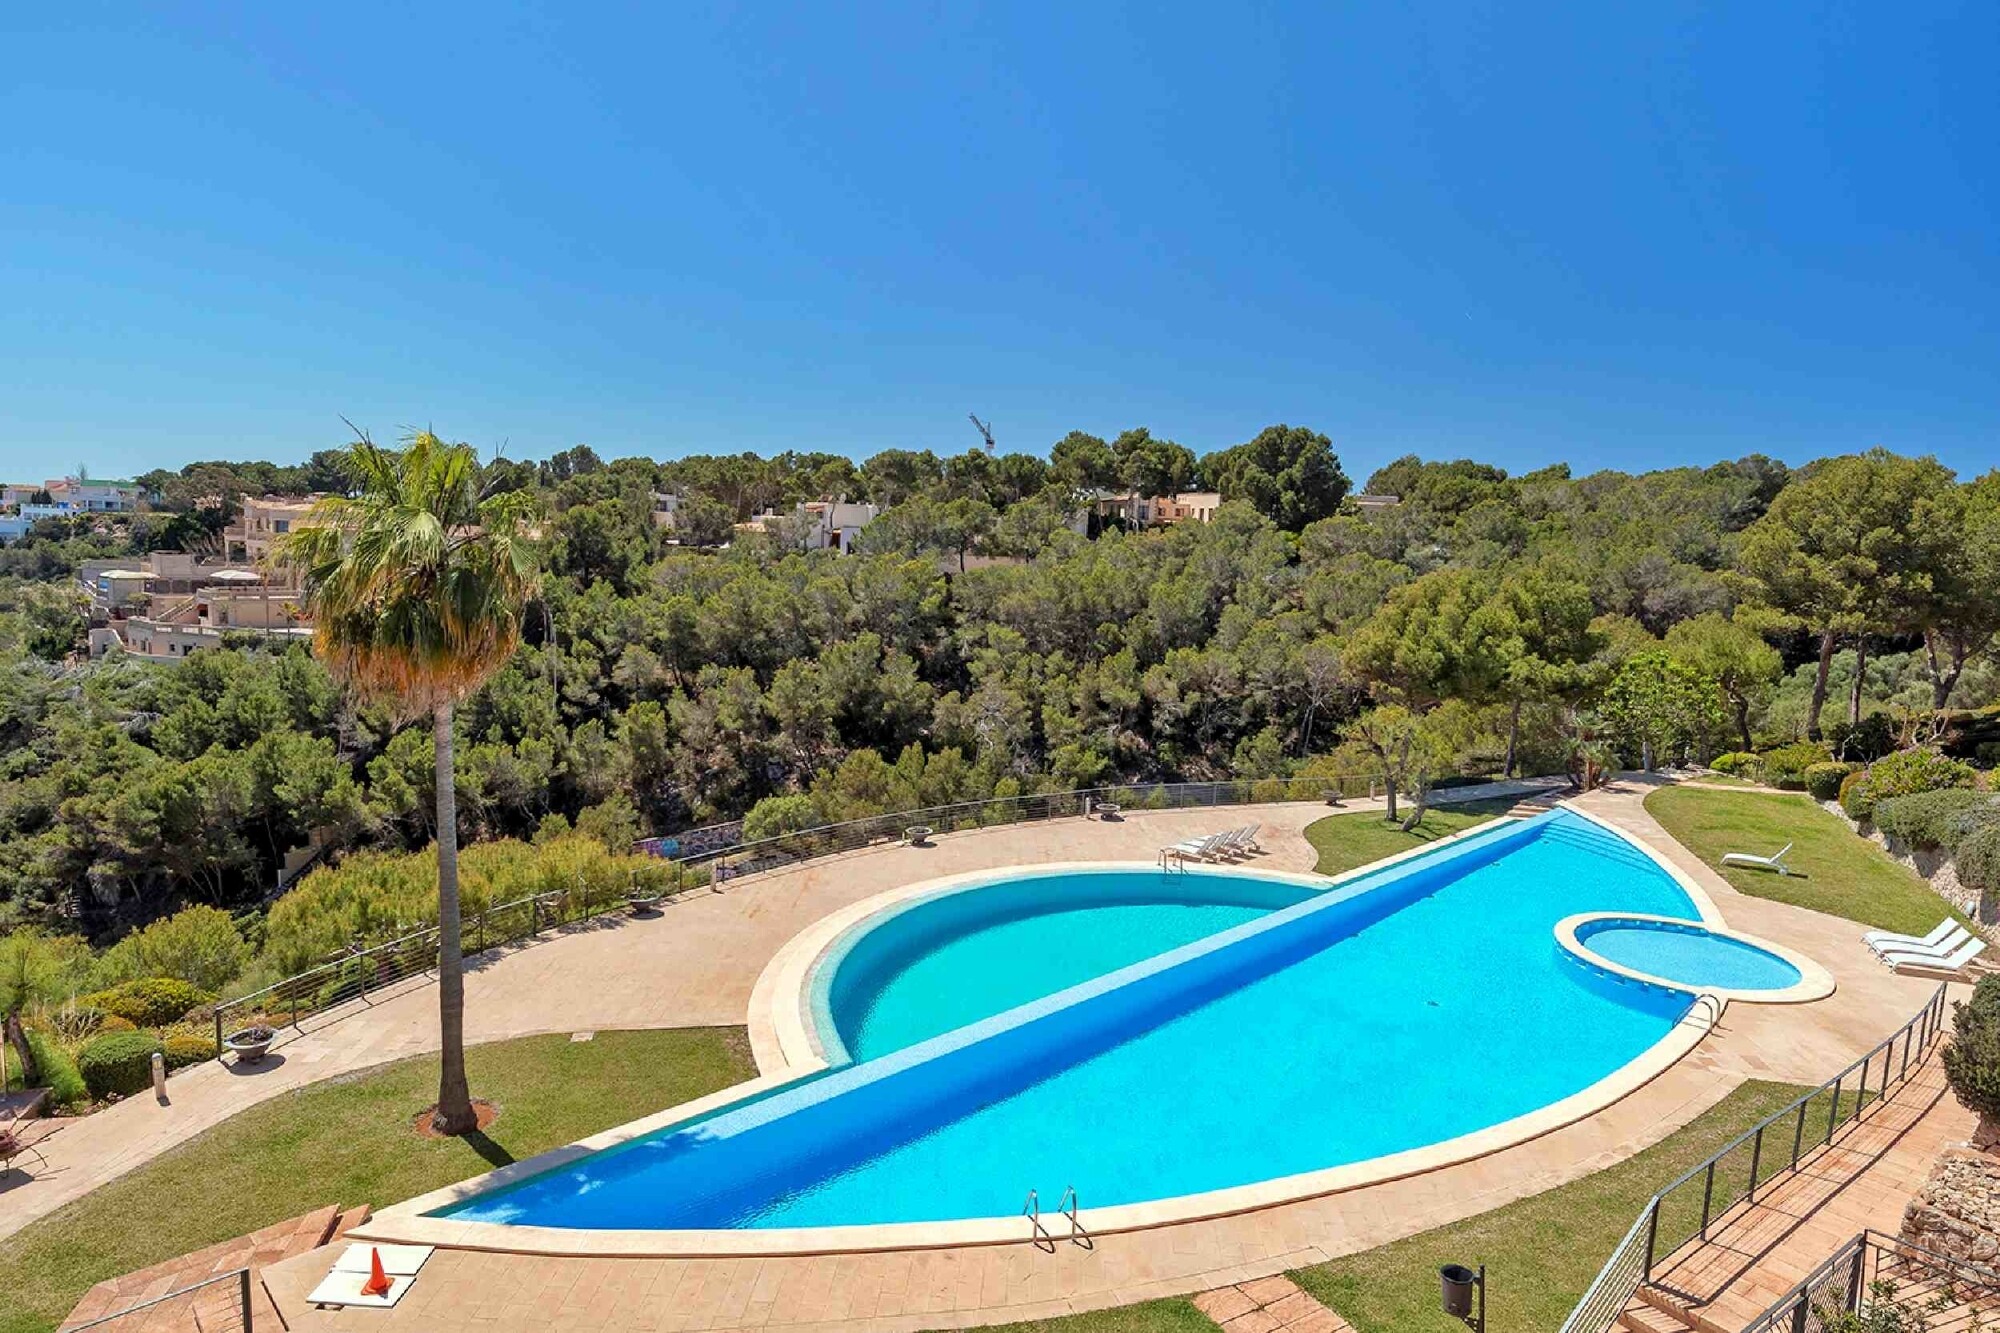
x=1042, y=1237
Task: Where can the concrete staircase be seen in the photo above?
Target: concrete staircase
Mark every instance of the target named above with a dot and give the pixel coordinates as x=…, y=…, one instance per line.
x=215, y=1307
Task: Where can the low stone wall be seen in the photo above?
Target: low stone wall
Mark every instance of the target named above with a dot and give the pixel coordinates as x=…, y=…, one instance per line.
x=1957, y=1212
x=1930, y=864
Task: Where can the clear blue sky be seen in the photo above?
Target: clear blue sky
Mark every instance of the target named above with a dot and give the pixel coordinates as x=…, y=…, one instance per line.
x=1618, y=234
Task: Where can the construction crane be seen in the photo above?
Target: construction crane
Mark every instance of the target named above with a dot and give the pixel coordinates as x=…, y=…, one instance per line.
x=985, y=430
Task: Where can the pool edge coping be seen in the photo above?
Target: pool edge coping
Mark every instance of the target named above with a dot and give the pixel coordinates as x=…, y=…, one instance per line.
x=1814, y=983
x=406, y=1222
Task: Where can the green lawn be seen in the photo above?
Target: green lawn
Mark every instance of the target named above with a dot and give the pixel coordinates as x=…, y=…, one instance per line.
x=1839, y=871
x=1346, y=841
x=1540, y=1252
x=350, y=1141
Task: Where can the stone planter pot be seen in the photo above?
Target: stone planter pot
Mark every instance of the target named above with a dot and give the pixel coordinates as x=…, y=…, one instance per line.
x=250, y=1045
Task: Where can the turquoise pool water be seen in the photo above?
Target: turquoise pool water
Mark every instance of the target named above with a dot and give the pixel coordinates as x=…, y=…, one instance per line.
x=952, y=960
x=1687, y=954
x=1413, y=1005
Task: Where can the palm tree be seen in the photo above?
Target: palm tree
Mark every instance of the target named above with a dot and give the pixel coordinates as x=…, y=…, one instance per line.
x=416, y=584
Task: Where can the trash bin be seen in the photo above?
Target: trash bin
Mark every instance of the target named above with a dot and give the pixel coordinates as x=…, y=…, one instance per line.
x=1458, y=1282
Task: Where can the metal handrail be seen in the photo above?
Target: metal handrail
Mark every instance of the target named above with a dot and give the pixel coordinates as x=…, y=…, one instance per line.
x=240, y=1276
x=1039, y=805
x=1793, y=1307
x=1620, y=1278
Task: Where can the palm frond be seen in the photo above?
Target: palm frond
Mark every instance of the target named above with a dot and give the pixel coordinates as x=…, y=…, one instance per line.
x=415, y=585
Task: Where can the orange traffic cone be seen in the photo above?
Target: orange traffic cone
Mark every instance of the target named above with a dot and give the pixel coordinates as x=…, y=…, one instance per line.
x=378, y=1281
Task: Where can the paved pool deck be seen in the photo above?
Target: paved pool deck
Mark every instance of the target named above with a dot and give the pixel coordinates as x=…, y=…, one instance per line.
x=696, y=965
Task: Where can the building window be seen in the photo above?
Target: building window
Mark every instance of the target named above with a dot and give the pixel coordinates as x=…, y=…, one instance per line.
x=282, y=525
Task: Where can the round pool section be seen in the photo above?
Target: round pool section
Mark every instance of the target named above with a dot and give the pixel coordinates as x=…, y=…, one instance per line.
x=1690, y=956
x=933, y=964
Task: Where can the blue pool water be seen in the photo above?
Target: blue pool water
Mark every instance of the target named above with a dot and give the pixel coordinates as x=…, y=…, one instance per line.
x=1412, y=1005
x=1687, y=954
x=960, y=957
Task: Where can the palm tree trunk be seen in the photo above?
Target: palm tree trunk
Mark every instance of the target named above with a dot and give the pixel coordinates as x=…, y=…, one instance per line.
x=1819, y=684
x=454, y=1113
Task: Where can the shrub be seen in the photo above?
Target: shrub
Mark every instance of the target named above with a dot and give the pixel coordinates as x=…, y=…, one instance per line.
x=74, y=1023
x=1738, y=764
x=118, y=1063
x=117, y=1023
x=1849, y=783
x=1972, y=1060
x=1823, y=780
x=1926, y=819
x=54, y=1067
x=376, y=896
x=188, y=1048
x=1904, y=773
x=151, y=1002
x=1786, y=766
x=1978, y=859
x=200, y=946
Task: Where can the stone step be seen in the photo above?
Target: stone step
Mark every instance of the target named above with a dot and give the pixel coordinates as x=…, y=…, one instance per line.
x=1639, y=1317
x=216, y=1307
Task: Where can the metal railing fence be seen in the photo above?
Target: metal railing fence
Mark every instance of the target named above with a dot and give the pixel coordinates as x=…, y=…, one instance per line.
x=1687, y=1208
x=360, y=971
x=1871, y=1270
x=721, y=847
x=218, y=1304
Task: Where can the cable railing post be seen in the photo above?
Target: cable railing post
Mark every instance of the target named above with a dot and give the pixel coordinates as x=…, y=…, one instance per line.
x=218, y=1032
x=1906, y=1053
x=1707, y=1197
x=1861, y=1094
x=1652, y=1239
x=243, y=1297
x=1833, y=1115
x=1756, y=1160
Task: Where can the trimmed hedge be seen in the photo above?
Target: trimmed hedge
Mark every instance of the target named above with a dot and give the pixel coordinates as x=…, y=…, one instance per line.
x=1786, y=766
x=1904, y=773
x=118, y=1063
x=1738, y=764
x=188, y=1048
x=1823, y=780
x=151, y=1002
x=1928, y=818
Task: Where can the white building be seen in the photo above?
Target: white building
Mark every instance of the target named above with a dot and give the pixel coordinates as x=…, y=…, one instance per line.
x=818, y=525
x=95, y=497
x=262, y=521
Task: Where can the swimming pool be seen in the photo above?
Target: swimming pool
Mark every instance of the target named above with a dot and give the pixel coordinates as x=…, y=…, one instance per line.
x=1663, y=951
x=1413, y=1005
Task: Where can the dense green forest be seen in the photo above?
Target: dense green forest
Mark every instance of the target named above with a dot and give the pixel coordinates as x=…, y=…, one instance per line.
x=1544, y=622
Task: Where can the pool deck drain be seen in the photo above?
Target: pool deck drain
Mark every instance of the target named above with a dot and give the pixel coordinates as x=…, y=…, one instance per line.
x=1267, y=1305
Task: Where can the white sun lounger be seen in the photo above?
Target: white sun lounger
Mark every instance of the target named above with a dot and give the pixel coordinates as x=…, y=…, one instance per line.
x=1956, y=962
x=1195, y=849
x=1884, y=941
x=1776, y=862
x=1944, y=948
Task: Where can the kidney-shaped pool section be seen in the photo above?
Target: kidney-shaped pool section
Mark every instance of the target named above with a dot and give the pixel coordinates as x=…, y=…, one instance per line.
x=945, y=960
x=1410, y=1005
